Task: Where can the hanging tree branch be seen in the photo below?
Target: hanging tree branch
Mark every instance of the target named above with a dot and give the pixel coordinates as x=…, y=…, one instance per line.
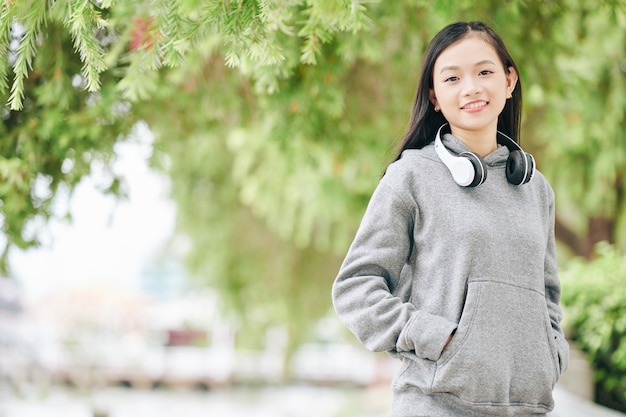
x=149, y=35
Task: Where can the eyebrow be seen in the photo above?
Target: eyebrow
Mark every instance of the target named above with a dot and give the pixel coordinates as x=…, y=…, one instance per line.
x=455, y=67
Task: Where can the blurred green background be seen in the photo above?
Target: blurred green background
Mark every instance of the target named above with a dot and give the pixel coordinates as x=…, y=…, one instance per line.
x=273, y=121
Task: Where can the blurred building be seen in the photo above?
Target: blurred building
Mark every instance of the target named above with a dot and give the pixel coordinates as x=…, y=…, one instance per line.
x=105, y=335
x=100, y=335
x=21, y=359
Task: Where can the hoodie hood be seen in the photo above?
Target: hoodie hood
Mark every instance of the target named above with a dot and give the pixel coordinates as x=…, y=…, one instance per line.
x=456, y=146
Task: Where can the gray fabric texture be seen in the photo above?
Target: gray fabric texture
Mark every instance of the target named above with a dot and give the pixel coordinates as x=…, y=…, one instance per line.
x=431, y=257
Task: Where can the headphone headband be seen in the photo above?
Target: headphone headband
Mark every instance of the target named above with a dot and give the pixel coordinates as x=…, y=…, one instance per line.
x=508, y=142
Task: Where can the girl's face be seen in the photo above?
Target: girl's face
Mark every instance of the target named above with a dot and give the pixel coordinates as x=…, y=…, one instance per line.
x=470, y=86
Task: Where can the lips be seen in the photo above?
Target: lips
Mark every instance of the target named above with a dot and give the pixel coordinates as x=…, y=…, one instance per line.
x=474, y=105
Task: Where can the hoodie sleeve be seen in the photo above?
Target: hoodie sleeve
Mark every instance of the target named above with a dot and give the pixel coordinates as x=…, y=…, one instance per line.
x=553, y=290
x=363, y=290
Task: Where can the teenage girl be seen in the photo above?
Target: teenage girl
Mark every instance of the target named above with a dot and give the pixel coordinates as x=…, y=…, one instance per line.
x=453, y=269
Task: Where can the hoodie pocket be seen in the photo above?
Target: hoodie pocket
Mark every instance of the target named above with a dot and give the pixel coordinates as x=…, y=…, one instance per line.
x=502, y=352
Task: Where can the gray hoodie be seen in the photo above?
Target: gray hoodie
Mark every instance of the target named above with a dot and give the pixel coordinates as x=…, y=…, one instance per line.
x=431, y=257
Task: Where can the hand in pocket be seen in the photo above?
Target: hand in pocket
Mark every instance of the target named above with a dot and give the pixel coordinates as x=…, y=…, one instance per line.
x=448, y=341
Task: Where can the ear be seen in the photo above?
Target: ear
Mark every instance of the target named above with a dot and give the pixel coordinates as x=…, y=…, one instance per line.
x=431, y=96
x=511, y=81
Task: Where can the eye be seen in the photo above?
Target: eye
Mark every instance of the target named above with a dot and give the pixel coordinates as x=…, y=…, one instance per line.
x=485, y=72
x=451, y=79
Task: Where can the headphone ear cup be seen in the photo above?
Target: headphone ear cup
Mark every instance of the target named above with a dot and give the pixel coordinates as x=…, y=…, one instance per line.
x=480, y=171
x=520, y=167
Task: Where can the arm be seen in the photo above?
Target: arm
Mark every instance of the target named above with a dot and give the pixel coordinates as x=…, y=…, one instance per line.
x=364, y=292
x=553, y=291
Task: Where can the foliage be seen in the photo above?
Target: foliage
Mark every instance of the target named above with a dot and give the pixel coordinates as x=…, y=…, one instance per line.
x=275, y=119
x=584, y=122
x=594, y=296
x=264, y=277
x=55, y=140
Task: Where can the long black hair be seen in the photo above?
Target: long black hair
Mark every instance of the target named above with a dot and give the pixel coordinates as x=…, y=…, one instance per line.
x=425, y=120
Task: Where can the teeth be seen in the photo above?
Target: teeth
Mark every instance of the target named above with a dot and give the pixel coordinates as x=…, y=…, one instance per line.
x=475, y=105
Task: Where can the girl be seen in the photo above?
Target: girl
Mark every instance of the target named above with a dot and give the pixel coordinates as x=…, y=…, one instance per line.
x=453, y=269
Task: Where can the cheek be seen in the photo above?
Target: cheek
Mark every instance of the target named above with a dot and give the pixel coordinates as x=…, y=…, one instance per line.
x=442, y=94
x=499, y=103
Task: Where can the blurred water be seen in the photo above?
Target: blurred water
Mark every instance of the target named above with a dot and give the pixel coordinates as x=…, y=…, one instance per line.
x=262, y=401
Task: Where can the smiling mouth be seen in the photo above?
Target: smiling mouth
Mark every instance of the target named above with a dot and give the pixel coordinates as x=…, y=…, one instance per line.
x=475, y=105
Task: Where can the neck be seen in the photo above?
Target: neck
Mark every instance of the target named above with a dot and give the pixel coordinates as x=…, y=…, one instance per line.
x=481, y=142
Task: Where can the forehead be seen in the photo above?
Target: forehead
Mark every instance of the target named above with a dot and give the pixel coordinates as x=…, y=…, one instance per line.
x=467, y=51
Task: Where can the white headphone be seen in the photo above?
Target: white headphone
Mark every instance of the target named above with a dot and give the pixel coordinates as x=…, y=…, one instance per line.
x=469, y=170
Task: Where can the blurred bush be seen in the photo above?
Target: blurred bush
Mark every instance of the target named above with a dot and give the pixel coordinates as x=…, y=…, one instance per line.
x=594, y=298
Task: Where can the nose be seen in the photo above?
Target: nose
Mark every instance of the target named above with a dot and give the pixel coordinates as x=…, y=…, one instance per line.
x=471, y=87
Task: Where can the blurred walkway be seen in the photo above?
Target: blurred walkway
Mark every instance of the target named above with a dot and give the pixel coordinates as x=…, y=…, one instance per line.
x=569, y=405
x=269, y=401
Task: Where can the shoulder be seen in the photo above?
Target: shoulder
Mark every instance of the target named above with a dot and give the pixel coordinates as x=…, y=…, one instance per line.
x=411, y=163
x=542, y=187
x=417, y=174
